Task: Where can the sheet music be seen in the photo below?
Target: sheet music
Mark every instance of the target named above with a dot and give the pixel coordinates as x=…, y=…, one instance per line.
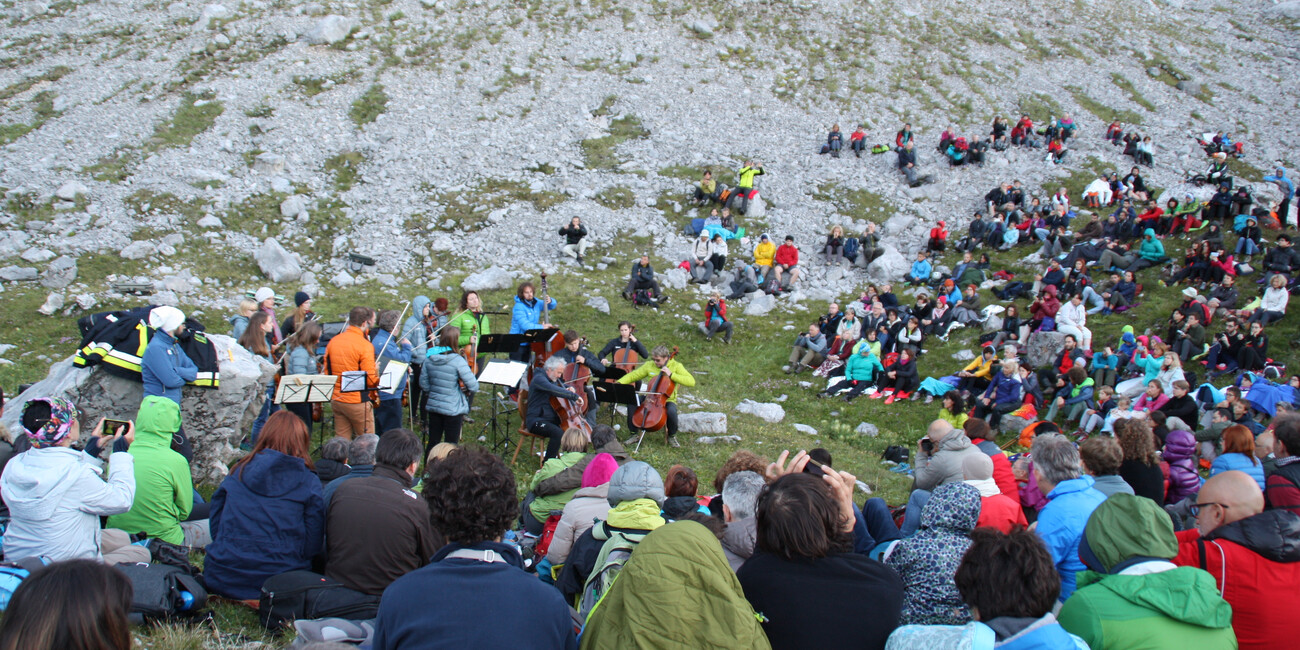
x=353, y=381
x=391, y=377
x=503, y=373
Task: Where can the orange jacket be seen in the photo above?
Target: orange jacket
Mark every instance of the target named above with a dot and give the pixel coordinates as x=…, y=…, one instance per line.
x=350, y=350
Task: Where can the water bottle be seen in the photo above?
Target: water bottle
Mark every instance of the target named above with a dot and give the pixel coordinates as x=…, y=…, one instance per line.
x=187, y=601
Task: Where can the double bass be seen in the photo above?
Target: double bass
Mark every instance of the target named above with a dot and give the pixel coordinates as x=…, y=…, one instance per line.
x=652, y=415
x=543, y=349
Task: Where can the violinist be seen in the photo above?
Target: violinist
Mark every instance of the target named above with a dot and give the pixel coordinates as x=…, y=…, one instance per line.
x=575, y=352
x=540, y=417
x=471, y=318
x=626, y=341
x=661, y=361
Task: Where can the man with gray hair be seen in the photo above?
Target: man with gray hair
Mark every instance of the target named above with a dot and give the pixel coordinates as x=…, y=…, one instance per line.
x=1070, y=501
x=361, y=458
x=739, y=501
x=540, y=417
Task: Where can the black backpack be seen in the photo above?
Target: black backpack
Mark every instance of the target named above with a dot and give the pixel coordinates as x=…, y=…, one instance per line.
x=642, y=297
x=162, y=591
x=304, y=595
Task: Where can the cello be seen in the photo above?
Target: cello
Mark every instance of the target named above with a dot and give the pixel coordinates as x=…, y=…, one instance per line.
x=626, y=359
x=652, y=415
x=573, y=413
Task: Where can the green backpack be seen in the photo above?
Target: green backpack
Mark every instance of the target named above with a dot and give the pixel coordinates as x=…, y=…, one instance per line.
x=613, y=555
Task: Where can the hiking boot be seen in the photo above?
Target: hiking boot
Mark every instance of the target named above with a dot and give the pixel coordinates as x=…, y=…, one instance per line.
x=672, y=442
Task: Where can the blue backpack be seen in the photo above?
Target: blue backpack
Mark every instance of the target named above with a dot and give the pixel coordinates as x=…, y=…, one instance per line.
x=12, y=574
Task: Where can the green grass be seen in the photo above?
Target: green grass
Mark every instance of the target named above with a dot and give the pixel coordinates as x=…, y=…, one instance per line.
x=470, y=208
x=369, y=106
x=345, y=166
x=616, y=198
x=855, y=204
x=42, y=111
x=1127, y=86
x=1103, y=112
x=197, y=113
x=20, y=87
x=1039, y=106
x=601, y=153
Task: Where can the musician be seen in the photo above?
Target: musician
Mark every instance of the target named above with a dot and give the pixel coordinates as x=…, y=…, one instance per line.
x=450, y=386
x=388, y=413
x=527, y=315
x=540, y=417
x=471, y=318
x=575, y=352
x=660, y=362
x=626, y=340
x=351, y=350
x=420, y=328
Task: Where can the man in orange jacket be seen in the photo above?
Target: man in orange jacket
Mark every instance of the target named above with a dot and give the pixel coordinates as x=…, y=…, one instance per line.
x=1253, y=554
x=351, y=350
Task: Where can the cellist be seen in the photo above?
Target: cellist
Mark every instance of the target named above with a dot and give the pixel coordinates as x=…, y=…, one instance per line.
x=626, y=340
x=575, y=352
x=540, y=417
x=661, y=361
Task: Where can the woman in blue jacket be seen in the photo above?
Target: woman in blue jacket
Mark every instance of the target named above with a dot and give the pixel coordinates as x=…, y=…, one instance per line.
x=268, y=516
x=1239, y=454
x=527, y=315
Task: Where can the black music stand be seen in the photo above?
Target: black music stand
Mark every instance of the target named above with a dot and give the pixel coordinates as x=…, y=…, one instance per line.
x=506, y=374
x=501, y=343
x=613, y=393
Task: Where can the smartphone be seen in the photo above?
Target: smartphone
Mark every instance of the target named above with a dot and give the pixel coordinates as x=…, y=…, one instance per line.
x=111, y=426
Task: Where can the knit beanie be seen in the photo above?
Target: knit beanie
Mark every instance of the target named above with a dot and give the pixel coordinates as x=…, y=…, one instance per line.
x=43, y=430
x=301, y=297
x=165, y=318
x=599, y=470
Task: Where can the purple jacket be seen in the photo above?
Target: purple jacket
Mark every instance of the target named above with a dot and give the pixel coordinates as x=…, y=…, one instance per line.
x=1180, y=451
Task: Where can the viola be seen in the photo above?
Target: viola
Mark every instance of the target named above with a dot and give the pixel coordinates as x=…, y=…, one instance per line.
x=652, y=414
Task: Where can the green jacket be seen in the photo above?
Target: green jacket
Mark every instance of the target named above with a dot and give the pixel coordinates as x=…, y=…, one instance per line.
x=1151, y=249
x=541, y=507
x=745, y=176
x=1133, y=597
x=648, y=370
x=860, y=368
x=164, y=490
x=466, y=322
x=676, y=591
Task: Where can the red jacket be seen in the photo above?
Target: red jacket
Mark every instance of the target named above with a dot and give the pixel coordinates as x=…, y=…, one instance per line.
x=722, y=311
x=1001, y=512
x=1256, y=564
x=786, y=255
x=1155, y=212
x=1002, y=474
x=938, y=233
x=857, y=135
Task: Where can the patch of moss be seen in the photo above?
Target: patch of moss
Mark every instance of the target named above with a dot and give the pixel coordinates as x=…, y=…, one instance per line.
x=369, y=106
x=616, y=198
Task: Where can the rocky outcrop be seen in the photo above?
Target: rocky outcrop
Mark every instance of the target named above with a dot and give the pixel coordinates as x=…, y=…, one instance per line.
x=214, y=420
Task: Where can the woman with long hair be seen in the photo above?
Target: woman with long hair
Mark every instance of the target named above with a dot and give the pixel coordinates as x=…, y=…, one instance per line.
x=448, y=386
x=254, y=339
x=268, y=515
x=302, y=361
x=1140, y=468
x=72, y=605
x=301, y=314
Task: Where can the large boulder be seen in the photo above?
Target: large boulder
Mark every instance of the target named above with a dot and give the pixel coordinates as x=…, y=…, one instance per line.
x=277, y=263
x=706, y=423
x=489, y=279
x=891, y=266
x=214, y=420
x=760, y=304
x=1042, y=348
x=675, y=278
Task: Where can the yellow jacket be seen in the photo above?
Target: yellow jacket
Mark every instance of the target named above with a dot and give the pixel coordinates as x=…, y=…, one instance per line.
x=981, y=368
x=676, y=372
x=764, y=252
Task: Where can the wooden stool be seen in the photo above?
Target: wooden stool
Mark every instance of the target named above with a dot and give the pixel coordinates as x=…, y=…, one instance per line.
x=532, y=445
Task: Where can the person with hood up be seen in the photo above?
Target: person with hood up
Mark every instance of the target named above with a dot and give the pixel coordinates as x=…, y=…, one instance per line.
x=588, y=505
x=1044, y=309
x=1253, y=555
x=1151, y=252
x=164, y=506
x=739, y=502
x=57, y=494
x=1287, y=188
x=861, y=372
x=1132, y=596
x=1070, y=499
x=442, y=376
x=416, y=327
x=997, y=509
x=268, y=515
x=636, y=493
x=679, y=568
x=1011, y=587
x=927, y=560
x=1180, y=453
x=805, y=581
x=388, y=415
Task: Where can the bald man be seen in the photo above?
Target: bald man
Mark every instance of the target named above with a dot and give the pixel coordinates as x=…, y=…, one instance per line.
x=1253, y=555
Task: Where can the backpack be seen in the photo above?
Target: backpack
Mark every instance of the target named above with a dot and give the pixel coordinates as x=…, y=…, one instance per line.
x=12, y=574
x=544, y=541
x=613, y=555
x=297, y=595
x=880, y=148
x=162, y=591
x=642, y=297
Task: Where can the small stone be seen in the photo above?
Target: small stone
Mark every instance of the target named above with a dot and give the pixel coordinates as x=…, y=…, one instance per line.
x=293, y=206
x=489, y=279
x=703, y=422
x=768, y=412
x=867, y=429
x=210, y=221
x=138, y=250
x=268, y=163
x=599, y=303
x=277, y=263
x=342, y=279
x=963, y=355
x=53, y=303
x=37, y=254
x=803, y=428
x=70, y=190
x=282, y=185
x=760, y=305
x=86, y=301
x=18, y=274
x=714, y=440
x=60, y=273
x=331, y=29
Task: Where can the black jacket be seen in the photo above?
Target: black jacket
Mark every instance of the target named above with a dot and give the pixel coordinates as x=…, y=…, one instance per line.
x=377, y=530
x=906, y=157
x=573, y=235
x=1273, y=534
x=1146, y=480
x=841, y=601
x=540, y=392
x=1183, y=408
x=1282, y=259
x=642, y=273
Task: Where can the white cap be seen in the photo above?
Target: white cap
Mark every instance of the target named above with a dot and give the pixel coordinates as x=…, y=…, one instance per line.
x=1190, y=292
x=167, y=319
x=262, y=295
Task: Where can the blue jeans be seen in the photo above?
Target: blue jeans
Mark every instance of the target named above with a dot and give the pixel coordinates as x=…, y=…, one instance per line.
x=880, y=526
x=268, y=407
x=1247, y=246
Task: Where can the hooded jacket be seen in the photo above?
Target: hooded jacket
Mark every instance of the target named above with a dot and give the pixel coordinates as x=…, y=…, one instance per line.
x=764, y=253
x=928, y=560
x=1132, y=597
x=397, y=352
x=417, y=331
x=268, y=517
x=164, y=490
x=679, y=568
x=944, y=465
x=588, y=505
x=238, y=323
x=862, y=367
x=1151, y=250
x=739, y=540
x=1256, y=564
x=635, y=492
x=1061, y=523
x=441, y=376
x=1179, y=451
x=56, y=496
x=542, y=506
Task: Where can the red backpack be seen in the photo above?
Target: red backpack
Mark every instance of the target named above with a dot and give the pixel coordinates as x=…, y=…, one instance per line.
x=960, y=144
x=543, y=544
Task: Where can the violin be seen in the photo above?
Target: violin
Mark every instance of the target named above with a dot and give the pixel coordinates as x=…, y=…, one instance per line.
x=652, y=414
x=470, y=351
